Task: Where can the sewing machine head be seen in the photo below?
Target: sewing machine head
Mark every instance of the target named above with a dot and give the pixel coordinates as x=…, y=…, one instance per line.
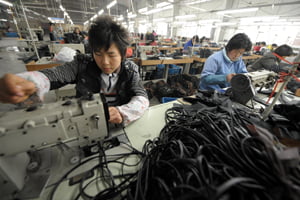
x=74, y=125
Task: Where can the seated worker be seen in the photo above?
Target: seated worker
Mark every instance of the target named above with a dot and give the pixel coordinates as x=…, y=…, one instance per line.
x=263, y=48
x=106, y=70
x=221, y=66
x=256, y=48
x=77, y=36
x=270, y=62
x=191, y=43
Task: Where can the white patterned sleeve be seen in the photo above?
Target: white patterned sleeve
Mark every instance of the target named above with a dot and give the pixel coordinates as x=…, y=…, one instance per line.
x=134, y=109
x=41, y=82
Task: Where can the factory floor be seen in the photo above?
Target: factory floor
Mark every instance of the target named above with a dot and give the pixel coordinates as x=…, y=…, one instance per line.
x=11, y=62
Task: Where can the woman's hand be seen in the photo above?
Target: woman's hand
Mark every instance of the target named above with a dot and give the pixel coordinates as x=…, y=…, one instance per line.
x=14, y=89
x=229, y=77
x=114, y=115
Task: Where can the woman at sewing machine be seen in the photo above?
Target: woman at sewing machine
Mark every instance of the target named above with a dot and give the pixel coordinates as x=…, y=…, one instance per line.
x=106, y=71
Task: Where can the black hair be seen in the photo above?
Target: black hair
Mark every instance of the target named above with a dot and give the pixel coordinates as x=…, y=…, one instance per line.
x=202, y=39
x=104, y=31
x=239, y=41
x=196, y=38
x=284, y=50
x=263, y=43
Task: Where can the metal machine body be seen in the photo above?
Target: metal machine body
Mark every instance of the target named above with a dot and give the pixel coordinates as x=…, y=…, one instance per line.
x=262, y=78
x=145, y=50
x=30, y=138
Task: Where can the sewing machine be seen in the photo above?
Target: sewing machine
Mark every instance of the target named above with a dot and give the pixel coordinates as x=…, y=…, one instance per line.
x=32, y=139
x=243, y=85
x=146, y=50
x=40, y=145
x=262, y=78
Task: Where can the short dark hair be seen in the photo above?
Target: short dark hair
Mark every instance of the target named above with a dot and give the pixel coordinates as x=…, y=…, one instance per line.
x=284, y=50
x=274, y=45
x=239, y=41
x=104, y=31
x=196, y=38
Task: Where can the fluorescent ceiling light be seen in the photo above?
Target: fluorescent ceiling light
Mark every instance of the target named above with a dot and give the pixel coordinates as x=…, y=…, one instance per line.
x=172, y=1
x=62, y=8
x=158, y=10
x=111, y=4
x=195, y=2
x=94, y=17
x=6, y=3
x=86, y=22
x=3, y=20
x=185, y=16
x=201, y=9
x=101, y=12
x=142, y=10
x=131, y=15
x=162, y=4
x=237, y=11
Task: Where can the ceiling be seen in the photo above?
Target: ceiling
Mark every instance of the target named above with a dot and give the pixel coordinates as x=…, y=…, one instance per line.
x=82, y=10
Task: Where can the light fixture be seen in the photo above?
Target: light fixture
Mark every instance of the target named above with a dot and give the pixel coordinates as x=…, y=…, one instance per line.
x=156, y=10
x=111, y=4
x=62, y=8
x=142, y=10
x=195, y=2
x=242, y=10
x=101, y=12
x=6, y=3
x=131, y=15
x=162, y=4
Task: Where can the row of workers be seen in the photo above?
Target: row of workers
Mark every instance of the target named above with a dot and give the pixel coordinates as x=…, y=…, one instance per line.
x=108, y=71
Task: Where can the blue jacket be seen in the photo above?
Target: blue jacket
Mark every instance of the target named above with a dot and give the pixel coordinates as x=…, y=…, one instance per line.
x=189, y=44
x=216, y=68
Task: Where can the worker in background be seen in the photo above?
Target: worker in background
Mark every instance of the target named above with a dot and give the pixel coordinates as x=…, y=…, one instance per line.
x=263, y=48
x=106, y=71
x=273, y=47
x=194, y=42
x=52, y=32
x=204, y=42
x=221, y=66
x=271, y=62
x=77, y=36
x=256, y=48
